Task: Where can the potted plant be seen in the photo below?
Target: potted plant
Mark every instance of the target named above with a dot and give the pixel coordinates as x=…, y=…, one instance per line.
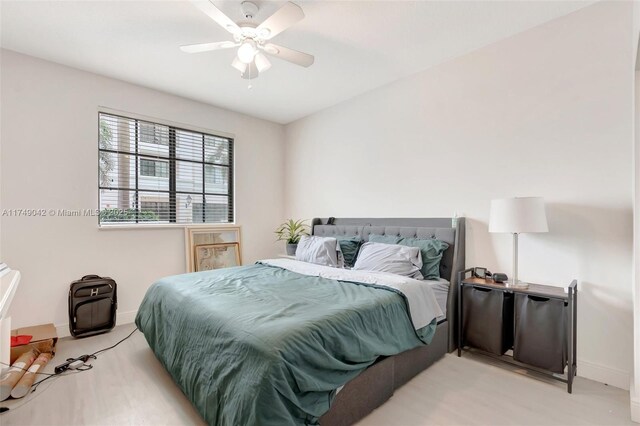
x=291, y=231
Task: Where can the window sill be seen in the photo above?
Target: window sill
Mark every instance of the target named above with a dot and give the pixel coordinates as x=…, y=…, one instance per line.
x=142, y=226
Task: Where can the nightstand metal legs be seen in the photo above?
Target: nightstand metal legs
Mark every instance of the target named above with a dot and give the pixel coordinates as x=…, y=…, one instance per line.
x=572, y=333
x=461, y=276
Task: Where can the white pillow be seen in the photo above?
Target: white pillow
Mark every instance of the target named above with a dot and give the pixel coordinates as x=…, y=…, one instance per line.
x=393, y=258
x=318, y=250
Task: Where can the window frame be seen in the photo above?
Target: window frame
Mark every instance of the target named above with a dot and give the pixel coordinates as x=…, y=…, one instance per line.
x=172, y=192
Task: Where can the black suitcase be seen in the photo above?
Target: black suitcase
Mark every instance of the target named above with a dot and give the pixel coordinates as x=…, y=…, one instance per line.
x=93, y=301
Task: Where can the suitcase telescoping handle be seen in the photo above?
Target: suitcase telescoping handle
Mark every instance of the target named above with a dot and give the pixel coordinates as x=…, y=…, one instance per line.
x=90, y=277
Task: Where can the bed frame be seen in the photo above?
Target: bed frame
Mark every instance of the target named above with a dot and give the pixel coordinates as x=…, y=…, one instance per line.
x=377, y=383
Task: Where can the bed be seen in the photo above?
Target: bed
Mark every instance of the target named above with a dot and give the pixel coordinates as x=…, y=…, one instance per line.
x=376, y=384
x=266, y=344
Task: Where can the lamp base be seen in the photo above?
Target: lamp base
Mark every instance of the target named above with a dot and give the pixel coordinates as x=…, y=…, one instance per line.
x=517, y=284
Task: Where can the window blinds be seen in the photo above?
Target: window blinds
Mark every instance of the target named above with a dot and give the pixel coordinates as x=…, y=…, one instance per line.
x=154, y=173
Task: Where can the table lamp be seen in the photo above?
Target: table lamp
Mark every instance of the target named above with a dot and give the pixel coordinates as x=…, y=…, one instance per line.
x=515, y=216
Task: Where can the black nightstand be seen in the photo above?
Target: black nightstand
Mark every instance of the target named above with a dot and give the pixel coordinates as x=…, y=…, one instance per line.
x=537, y=323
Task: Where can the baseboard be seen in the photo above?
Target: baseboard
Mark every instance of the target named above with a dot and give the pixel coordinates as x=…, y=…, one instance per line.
x=634, y=402
x=121, y=318
x=603, y=374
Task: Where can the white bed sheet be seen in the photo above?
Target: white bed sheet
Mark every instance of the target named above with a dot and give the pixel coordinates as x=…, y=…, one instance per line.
x=440, y=289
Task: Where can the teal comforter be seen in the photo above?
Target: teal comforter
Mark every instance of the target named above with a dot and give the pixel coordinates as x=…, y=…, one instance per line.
x=260, y=345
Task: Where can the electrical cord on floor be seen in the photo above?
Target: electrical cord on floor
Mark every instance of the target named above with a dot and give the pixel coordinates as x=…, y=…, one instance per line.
x=30, y=396
x=111, y=347
x=78, y=364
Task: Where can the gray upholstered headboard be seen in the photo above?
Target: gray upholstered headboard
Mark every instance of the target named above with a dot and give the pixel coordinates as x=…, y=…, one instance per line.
x=453, y=259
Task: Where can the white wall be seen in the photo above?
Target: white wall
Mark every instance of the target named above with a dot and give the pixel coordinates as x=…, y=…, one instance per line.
x=635, y=389
x=49, y=160
x=546, y=112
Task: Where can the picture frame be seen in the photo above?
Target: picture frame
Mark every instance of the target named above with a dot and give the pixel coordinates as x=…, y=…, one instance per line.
x=204, y=235
x=216, y=256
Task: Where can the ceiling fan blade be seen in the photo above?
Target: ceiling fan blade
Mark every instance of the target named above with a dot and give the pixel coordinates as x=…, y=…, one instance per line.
x=207, y=47
x=216, y=14
x=293, y=56
x=284, y=17
x=250, y=72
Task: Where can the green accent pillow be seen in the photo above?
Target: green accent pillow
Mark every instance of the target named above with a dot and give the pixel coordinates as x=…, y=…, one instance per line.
x=431, y=251
x=349, y=247
x=385, y=239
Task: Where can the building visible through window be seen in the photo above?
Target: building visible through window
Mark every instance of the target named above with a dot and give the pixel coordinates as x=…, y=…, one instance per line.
x=154, y=168
x=151, y=172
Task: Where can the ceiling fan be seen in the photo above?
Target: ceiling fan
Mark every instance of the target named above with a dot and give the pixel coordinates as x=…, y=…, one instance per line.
x=252, y=39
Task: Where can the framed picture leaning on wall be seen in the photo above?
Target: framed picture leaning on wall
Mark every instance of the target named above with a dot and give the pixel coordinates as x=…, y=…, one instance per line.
x=201, y=236
x=216, y=256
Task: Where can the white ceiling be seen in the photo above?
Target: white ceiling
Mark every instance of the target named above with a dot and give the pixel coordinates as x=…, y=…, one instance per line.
x=358, y=45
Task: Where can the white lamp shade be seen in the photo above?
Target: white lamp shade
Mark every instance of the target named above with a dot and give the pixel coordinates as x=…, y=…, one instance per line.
x=518, y=215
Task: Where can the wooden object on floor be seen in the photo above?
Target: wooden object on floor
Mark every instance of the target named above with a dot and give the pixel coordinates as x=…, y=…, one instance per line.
x=24, y=385
x=15, y=373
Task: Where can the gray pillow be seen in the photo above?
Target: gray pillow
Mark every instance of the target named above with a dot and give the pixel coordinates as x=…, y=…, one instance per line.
x=400, y=260
x=318, y=250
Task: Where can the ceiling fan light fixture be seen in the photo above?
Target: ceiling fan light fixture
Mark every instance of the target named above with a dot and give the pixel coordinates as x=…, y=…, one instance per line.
x=239, y=65
x=262, y=63
x=247, y=51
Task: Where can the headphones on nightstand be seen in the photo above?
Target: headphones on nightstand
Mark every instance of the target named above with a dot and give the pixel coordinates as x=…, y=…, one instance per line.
x=484, y=273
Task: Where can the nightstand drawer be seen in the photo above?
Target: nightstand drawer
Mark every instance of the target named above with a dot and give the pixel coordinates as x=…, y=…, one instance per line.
x=488, y=319
x=541, y=332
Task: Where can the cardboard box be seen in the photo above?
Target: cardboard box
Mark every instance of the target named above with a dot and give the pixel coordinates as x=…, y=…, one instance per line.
x=44, y=340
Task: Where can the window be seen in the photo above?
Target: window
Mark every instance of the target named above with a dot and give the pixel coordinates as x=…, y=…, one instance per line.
x=154, y=168
x=154, y=173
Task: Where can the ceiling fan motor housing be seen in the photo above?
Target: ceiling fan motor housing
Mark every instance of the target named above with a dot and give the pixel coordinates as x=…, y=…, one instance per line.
x=249, y=9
